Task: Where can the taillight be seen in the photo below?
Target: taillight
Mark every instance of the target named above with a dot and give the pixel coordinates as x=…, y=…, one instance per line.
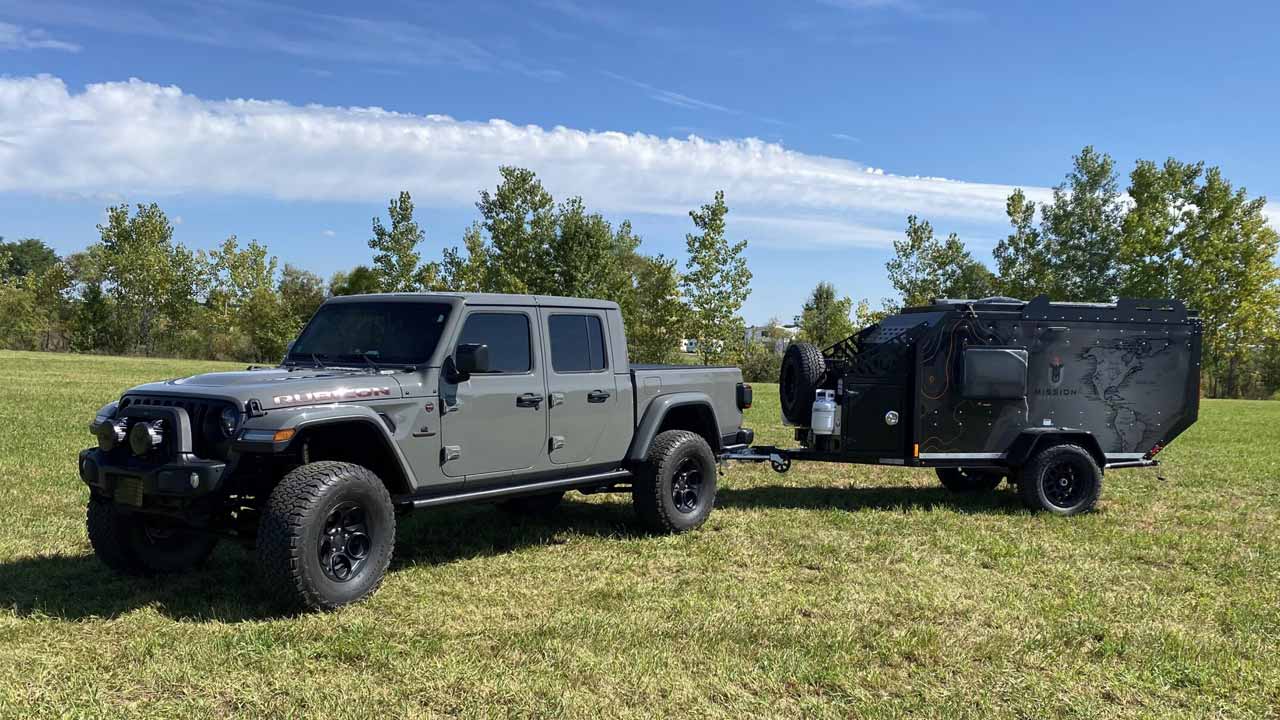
x=744, y=396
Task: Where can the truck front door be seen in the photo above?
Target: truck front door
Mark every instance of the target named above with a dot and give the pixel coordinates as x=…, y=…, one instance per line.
x=495, y=423
x=581, y=387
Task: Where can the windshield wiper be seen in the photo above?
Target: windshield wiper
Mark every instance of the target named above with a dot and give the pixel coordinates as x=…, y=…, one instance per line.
x=376, y=367
x=315, y=357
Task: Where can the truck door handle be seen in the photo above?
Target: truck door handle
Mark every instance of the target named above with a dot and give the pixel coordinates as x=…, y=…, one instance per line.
x=532, y=400
x=597, y=396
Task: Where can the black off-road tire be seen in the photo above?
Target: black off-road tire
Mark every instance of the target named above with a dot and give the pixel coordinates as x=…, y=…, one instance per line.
x=1061, y=479
x=962, y=480
x=134, y=544
x=664, y=492
x=802, y=369
x=316, y=509
x=533, y=505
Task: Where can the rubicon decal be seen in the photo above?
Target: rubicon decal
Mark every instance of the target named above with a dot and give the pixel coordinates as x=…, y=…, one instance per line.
x=327, y=396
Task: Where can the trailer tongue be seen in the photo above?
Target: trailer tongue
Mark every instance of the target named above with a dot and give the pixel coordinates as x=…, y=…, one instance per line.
x=1046, y=394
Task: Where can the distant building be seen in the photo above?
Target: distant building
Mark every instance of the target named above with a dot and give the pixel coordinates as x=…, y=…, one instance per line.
x=779, y=335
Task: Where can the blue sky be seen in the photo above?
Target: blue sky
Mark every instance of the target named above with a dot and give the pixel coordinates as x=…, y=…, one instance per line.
x=826, y=122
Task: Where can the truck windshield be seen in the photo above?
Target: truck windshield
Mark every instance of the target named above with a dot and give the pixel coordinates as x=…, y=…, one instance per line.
x=382, y=333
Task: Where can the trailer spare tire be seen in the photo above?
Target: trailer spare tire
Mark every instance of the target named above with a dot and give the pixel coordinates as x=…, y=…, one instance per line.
x=802, y=369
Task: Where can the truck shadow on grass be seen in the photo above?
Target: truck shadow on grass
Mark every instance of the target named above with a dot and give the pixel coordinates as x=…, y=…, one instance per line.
x=1003, y=501
x=227, y=588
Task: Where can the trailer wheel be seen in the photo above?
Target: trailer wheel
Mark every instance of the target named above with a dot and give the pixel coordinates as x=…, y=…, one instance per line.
x=1061, y=479
x=960, y=480
x=802, y=369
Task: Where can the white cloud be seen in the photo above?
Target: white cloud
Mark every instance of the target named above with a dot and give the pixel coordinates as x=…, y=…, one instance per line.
x=143, y=140
x=16, y=37
x=328, y=233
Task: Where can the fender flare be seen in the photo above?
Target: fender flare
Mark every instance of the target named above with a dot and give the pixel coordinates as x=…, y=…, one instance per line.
x=1032, y=440
x=657, y=412
x=307, y=418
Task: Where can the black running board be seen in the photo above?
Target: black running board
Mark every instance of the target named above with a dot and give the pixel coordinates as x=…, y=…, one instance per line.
x=499, y=493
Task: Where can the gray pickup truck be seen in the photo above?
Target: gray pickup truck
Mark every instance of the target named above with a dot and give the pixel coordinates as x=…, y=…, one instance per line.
x=396, y=402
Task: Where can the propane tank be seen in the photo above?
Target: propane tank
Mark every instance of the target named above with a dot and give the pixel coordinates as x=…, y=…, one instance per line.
x=823, y=420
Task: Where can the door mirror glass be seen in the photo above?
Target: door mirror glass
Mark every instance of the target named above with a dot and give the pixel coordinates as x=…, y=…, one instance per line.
x=471, y=358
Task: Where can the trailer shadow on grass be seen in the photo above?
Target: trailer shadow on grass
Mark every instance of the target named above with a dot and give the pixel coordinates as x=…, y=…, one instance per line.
x=227, y=588
x=1002, y=501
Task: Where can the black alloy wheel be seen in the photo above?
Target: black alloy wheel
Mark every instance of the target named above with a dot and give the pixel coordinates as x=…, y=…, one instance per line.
x=674, y=489
x=1062, y=486
x=686, y=485
x=345, y=542
x=1061, y=479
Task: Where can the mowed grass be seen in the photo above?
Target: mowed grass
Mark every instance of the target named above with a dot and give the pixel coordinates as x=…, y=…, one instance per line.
x=832, y=591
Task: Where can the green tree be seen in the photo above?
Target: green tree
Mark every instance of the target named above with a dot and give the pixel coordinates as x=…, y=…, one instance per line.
x=23, y=258
x=302, y=292
x=924, y=268
x=716, y=283
x=656, y=319
x=1082, y=226
x=1023, y=259
x=864, y=316
x=1227, y=270
x=397, y=263
x=521, y=220
x=152, y=282
x=825, y=319
x=250, y=316
x=362, y=280
x=1149, y=256
x=93, y=325
x=467, y=270
x=19, y=322
x=583, y=256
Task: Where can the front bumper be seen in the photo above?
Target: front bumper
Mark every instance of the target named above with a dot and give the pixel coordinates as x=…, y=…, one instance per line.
x=141, y=485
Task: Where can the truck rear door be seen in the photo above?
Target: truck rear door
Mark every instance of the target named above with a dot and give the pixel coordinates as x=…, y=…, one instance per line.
x=582, y=396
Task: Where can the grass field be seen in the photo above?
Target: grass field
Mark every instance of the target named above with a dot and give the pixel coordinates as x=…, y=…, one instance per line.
x=828, y=592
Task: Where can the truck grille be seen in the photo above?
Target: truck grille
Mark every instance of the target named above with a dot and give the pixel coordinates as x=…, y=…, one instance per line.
x=206, y=436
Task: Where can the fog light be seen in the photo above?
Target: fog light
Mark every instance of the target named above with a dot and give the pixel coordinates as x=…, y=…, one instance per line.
x=145, y=437
x=110, y=435
x=195, y=480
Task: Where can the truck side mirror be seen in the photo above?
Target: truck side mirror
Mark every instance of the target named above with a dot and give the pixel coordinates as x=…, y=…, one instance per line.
x=470, y=358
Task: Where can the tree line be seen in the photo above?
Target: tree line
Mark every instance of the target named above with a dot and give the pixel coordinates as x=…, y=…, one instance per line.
x=1177, y=229
x=136, y=291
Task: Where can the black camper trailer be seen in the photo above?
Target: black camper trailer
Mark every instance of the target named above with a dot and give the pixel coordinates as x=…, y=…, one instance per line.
x=1044, y=393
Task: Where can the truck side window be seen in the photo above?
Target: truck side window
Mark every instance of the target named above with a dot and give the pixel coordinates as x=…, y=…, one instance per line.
x=506, y=334
x=577, y=343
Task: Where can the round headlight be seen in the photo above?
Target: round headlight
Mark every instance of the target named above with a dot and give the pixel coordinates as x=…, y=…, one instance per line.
x=145, y=437
x=111, y=434
x=229, y=421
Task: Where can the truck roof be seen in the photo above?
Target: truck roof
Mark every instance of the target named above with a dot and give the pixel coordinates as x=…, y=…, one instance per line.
x=485, y=299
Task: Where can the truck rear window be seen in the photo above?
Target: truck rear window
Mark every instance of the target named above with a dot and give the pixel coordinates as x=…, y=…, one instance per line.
x=577, y=343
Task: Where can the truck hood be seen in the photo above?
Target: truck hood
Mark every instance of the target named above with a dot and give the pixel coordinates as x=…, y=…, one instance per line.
x=278, y=387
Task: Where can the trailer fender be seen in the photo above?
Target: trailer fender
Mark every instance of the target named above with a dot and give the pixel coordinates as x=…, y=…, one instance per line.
x=1033, y=440
x=695, y=407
